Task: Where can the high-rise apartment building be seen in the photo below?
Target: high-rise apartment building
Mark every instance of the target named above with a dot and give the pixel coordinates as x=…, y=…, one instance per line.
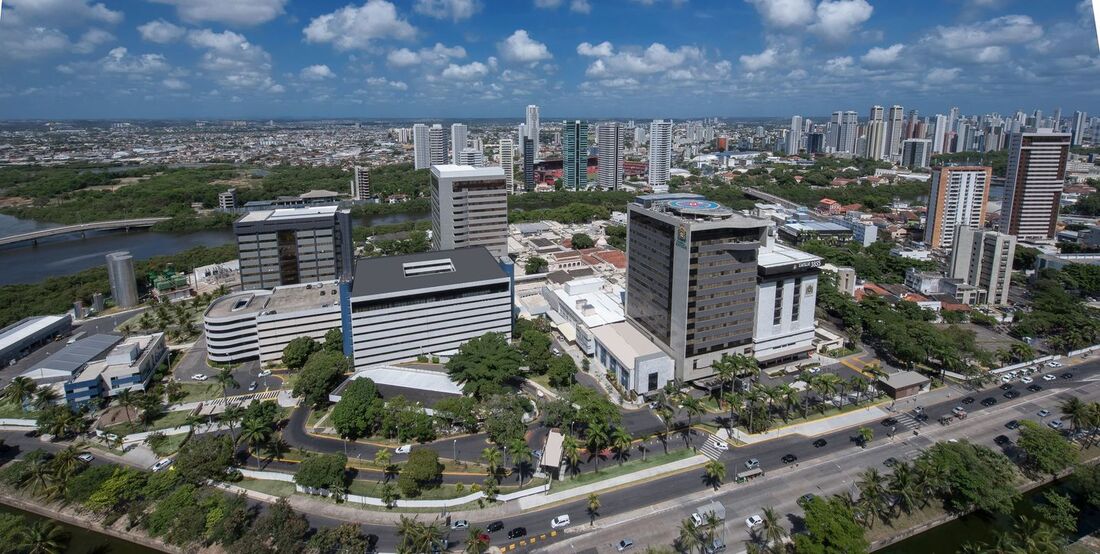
x=360, y=183
x=916, y=153
x=508, y=163
x=528, y=165
x=532, y=126
x=294, y=245
x=660, y=152
x=983, y=259
x=1034, y=179
x=786, y=297
x=957, y=197
x=471, y=156
x=469, y=208
x=895, y=122
x=575, y=155
x=458, y=141
x=691, y=278
x=876, y=134
x=939, y=132
x=227, y=200
x=794, y=137
x=437, y=140
x=609, y=167
x=847, y=134
x=120, y=274
x=1080, y=123
x=422, y=149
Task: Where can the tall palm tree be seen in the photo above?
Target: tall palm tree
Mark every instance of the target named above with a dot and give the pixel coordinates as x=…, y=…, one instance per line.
x=593, y=507
x=1075, y=411
x=753, y=397
x=492, y=459
x=788, y=397
x=665, y=413
x=621, y=440
x=1032, y=536
x=65, y=463
x=521, y=458
x=43, y=537
x=714, y=472
x=572, y=452
x=826, y=386
x=688, y=538
x=45, y=397
x=733, y=402
x=255, y=433
x=775, y=534
x=475, y=541
x=692, y=407
x=233, y=415
x=39, y=478
x=226, y=380
x=277, y=447
x=126, y=401
x=20, y=390
x=595, y=441
x=409, y=529
x=872, y=495
x=726, y=370
x=903, y=488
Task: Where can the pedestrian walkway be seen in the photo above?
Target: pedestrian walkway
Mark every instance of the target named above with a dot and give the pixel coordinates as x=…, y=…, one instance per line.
x=710, y=448
x=240, y=398
x=821, y=426
x=532, y=502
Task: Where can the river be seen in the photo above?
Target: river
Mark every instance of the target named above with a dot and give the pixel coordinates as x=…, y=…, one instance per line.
x=82, y=540
x=71, y=254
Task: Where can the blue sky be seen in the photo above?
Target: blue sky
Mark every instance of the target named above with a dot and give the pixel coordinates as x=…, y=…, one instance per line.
x=575, y=58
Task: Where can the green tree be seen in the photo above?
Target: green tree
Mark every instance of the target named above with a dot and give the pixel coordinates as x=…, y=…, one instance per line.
x=324, y=471
x=1046, y=450
x=334, y=340
x=20, y=391
x=535, y=264
x=279, y=529
x=687, y=539
x=593, y=507
x=831, y=528
x=205, y=457
x=297, y=352
x=485, y=365
x=321, y=373
x=1059, y=511
x=973, y=477
x=714, y=472
x=563, y=372
x=621, y=441
x=42, y=537
x=346, y=538
x=775, y=535
x=422, y=471
x=865, y=436
x=359, y=411
x=581, y=241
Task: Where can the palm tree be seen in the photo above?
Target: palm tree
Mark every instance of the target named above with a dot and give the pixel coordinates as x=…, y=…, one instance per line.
x=1022, y=351
x=492, y=459
x=596, y=441
x=733, y=402
x=45, y=397
x=775, y=534
x=254, y=433
x=173, y=390
x=126, y=401
x=857, y=385
x=665, y=413
x=39, y=478
x=726, y=370
x=277, y=447
x=409, y=530
x=827, y=386
x=226, y=380
x=1075, y=411
x=44, y=537
x=389, y=495
x=692, y=407
x=571, y=450
x=752, y=398
x=593, y=508
x=20, y=390
x=788, y=396
x=872, y=495
x=903, y=488
x=475, y=541
x=382, y=458
x=65, y=463
x=714, y=472
x=1032, y=536
x=688, y=539
x=521, y=458
x=620, y=443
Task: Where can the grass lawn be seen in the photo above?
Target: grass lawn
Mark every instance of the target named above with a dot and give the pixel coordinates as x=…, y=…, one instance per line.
x=171, y=445
x=444, y=492
x=543, y=380
x=167, y=421
x=194, y=392
x=12, y=411
x=275, y=488
x=317, y=415
x=613, y=469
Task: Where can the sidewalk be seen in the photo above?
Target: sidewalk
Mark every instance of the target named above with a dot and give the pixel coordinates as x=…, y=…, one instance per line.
x=812, y=428
x=532, y=502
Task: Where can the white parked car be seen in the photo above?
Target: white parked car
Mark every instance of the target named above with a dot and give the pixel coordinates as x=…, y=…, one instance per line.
x=754, y=521
x=1049, y=377
x=1054, y=364
x=404, y=449
x=199, y=377
x=1026, y=380
x=162, y=464
x=265, y=373
x=1043, y=413
x=1056, y=424
x=814, y=370
x=1006, y=378
x=721, y=445
x=560, y=521
x=460, y=524
x=85, y=457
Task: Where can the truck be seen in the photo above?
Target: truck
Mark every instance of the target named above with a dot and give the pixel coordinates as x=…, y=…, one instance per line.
x=703, y=512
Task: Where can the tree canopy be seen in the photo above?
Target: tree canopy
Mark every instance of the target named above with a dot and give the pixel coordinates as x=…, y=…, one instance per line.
x=485, y=365
x=319, y=376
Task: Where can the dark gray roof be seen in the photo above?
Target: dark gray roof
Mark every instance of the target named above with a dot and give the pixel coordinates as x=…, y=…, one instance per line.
x=73, y=356
x=387, y=274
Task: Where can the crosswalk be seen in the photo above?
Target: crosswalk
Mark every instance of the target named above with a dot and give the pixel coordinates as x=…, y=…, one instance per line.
x=708, y=449
x=906, y=421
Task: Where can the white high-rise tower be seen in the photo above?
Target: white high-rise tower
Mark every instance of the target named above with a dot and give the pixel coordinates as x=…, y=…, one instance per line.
x=609, y=168
x=422, y=154
x=458, y=140
x=794, y=138
x=532, y=128
x=507, y=163
x=895, y=124
x=437, y=141
x=660, y=151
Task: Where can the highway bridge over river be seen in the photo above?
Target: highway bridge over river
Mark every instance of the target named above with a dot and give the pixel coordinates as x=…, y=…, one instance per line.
x=81, y=229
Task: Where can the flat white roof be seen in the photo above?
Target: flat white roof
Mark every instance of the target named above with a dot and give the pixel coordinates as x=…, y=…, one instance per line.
x=410, y=379
x=782, y=255
x=625, y=342
x=447, y=171
x=26, y=329
x=283, y=214
x=600, y=305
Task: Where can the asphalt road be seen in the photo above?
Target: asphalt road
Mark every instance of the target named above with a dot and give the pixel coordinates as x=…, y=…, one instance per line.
x=194, y=363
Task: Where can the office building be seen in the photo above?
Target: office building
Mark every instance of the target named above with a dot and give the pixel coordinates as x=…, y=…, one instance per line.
x=458, y=142
x=638, y=364
x=1080, y=123
x=895, y=122
x=691, y=278
x=471, y=156
x=227, y=200
x=422, y=149
x=469, y=208
x=360, y=183
x=786, y=297
x=28, y=334
x=794, y=137
x=580, y=306
x=508, y=163
x=864, y=233
x=916, y=153
x=1034, y=179
x=828, y=232
x=120, y=273
x=957, y=197
x=532, y=127
x=528, y=165
x=660, y=152
x=258, y=324
x=128, y=366
x=983, y=259
x=430, y=303
x=609, y=169
x=575, y=155
x=437, y=144
x=291, y=246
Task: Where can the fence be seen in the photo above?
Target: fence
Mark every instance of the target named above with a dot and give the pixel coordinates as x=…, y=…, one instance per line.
x=18, y=423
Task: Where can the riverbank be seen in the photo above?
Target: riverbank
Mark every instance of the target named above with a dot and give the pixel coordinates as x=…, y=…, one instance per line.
x=70, y=517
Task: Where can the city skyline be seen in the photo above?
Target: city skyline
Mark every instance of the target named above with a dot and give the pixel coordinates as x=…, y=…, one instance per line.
x=475, y=59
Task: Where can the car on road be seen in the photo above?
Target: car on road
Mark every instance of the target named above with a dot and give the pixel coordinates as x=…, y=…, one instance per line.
x=1001, y=440
x=1026, y=380
x=719, y=444
x=404, y=449
x=890, y=462
x=889, y=422
x=814, y=370
x=85, y=457
x=715, y=546
x=1012, y=425
x=754, y=521
x=1012, y=394
x=1050, y=377
x=967, y=400
x=790, y=459
x=460, y=524
x=624, y=544
x=560, y=521
x=252, y=386
x=517, y=533
x=820, y=442
x=1055, y=424
x=921, y=417
x=1054, y=364
x=1006, y=386
x=199, y=377
x=494, y=526
x=264, y=373
x=1067, y=375
x=958, y=410
x=1043, y=413
x=161, y=464
x=1034, y=388
x=989, y=402
x=918, y=410
x=752, y=463
x=805, y=499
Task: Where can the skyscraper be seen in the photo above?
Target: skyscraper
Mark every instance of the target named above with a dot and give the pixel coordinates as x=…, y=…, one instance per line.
x=528, y=165
x=983, y=259
x=437, y=141
x=120, y=274
x=939, y=134
x=360, y=183
x=1034, y=179
x=916, y=153
x=660, y=151
x=895, y=122
x=471, y=156
x=957, y=197
x=469, y=208
x=292, y=246
x=508, y=163
x=876, y=134
x=533, y=126
x=609, y=168
x=458, y=140
x=847, y=132
x=575, y=155
x=794, y=138
x=1080, y=123
x=422, y=149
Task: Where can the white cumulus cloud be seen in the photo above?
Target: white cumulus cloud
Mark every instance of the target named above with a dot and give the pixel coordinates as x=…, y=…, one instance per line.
x=883, y=56
x=468, y=72
x=580, y=6
x=316, y=72
x=837, y=20
x=384, y=82
x=58, y=12
x=161, y=31
x=229, y=12
x=351, y=28
x=785, y=13
x=233, y=61
x=755, y=62
x=436, y=55
x=456, y=10
x=520, y=47
x=600, y=50
x=92, y=39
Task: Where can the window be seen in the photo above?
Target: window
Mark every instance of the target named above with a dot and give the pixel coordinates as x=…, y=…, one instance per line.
x=652, y=385
x=777, y=313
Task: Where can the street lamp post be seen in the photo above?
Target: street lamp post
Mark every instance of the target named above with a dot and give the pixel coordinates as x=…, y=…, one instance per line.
x=454, y=453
